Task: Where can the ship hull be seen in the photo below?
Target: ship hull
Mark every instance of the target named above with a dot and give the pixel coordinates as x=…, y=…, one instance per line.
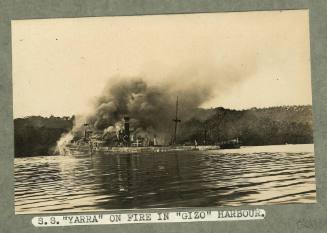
x=81, y=150
x=230, y=146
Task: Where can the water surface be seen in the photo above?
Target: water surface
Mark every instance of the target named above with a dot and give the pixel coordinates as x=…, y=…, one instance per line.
x=250, y=175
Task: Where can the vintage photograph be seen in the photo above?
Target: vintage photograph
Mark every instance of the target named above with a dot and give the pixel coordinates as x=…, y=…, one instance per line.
x=162, y=111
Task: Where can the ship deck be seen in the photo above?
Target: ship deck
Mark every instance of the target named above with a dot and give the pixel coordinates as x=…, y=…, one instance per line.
x=127, y=150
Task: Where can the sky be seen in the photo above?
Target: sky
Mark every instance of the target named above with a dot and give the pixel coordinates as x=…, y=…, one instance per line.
x=249, y=59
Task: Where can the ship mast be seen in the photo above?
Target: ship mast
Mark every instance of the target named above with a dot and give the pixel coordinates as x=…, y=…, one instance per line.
x=176, y=120
x=85, y=131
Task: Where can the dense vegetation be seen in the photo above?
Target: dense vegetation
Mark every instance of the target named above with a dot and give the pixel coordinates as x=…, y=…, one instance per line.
x=267, y=126
x=37, y=135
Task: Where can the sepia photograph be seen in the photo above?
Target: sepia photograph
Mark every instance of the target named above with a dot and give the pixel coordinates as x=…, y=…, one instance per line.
x=162, y=111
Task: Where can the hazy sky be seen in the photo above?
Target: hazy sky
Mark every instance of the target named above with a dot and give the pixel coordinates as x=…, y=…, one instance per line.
x=252, y=59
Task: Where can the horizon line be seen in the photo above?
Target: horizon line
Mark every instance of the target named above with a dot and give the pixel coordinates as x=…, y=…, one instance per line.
x=209, y=108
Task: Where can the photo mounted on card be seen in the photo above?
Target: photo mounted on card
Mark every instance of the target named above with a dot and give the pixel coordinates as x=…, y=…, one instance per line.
x=162, y=111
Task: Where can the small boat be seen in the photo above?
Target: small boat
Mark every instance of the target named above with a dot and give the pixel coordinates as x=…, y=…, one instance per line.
x=230, y=144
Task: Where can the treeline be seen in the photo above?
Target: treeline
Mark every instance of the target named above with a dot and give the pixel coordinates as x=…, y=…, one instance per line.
x=38, y=135
x=266, y=126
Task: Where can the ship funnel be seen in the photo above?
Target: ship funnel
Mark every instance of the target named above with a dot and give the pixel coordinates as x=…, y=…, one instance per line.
x=126, y=136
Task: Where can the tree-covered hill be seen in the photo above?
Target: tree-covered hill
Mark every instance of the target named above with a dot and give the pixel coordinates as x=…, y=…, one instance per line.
x=38, y=135
x=266, y=126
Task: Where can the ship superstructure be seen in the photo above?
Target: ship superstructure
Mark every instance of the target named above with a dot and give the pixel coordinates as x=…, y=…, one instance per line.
x=126, y=140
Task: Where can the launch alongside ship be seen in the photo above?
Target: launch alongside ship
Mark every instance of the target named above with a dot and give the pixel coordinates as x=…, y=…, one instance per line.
x=125, y=140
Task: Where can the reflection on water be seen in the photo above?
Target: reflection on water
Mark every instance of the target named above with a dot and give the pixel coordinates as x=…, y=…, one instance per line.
x=252, y=175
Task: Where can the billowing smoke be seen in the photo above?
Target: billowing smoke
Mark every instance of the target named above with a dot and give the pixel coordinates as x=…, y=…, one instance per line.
x=62, y=142
x=151, y=105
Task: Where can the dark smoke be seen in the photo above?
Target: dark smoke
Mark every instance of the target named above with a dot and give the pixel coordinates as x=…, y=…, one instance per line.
x=151, y=105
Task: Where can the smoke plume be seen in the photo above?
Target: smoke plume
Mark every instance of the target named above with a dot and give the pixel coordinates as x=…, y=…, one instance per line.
x=151, y=105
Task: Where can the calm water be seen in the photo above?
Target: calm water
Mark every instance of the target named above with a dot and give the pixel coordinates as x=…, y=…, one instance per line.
x=251, y=175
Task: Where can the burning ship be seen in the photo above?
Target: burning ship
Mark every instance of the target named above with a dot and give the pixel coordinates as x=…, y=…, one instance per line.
x=126, y=140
